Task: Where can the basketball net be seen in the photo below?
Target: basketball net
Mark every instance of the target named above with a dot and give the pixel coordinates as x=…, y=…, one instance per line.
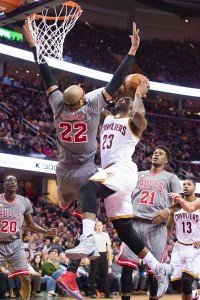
x=49, y=31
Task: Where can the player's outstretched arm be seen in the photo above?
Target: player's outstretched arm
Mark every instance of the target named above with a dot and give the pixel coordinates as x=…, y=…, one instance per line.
x=45, y=70
x=139, y=121
x=33, y=226
x=190, y=207
x=120, y=74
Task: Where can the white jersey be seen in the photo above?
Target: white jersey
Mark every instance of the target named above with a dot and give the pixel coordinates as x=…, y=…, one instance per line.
x=117, y=141
x=187, y=226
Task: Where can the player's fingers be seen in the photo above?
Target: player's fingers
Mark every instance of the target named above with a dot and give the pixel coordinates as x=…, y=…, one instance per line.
x=134, y=28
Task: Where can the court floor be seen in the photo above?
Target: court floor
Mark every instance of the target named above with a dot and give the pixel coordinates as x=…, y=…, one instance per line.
x=166, y=297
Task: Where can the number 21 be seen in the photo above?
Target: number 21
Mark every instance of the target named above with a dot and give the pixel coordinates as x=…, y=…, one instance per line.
x=147, y=198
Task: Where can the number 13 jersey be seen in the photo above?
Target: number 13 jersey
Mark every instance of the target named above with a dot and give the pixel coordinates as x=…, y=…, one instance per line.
x=187, y=226
x=117, y=141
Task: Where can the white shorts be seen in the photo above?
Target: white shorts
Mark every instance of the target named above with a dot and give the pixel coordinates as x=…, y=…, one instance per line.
x=185, y=258
x=122, y=178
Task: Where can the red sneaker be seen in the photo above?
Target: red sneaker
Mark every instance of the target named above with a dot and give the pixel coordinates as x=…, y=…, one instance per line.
x=67, y=282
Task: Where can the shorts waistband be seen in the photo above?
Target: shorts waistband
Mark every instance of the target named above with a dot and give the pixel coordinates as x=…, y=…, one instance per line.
x=189, y=244
x=142, y=220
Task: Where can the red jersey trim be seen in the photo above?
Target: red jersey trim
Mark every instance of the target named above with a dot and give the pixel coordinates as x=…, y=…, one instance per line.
x=18, y=273
x=155, y=174
x=3, y=195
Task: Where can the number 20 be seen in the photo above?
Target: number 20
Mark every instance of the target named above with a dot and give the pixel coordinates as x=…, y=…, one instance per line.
x=8, y=226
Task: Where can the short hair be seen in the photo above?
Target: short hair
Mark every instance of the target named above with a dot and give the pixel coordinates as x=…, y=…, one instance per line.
x=194, y=182
x=51, y=250
x=168, y=153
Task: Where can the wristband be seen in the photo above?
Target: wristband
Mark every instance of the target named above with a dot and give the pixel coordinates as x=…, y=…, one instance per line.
x=168, y=210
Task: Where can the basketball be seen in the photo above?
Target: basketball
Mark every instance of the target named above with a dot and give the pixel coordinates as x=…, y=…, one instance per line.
x=10, y=5
x=131, y=83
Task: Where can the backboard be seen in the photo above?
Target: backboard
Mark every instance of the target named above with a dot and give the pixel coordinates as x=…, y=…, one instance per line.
x=26, y=10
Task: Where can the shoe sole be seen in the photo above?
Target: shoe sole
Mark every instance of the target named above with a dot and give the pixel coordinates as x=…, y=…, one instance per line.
x=65, y=288
x=75, y=256
x=169, y=273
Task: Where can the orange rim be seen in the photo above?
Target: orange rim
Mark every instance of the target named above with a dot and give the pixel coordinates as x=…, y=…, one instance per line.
x=62, y=18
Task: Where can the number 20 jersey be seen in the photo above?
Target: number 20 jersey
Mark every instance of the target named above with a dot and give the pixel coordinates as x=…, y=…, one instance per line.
x=187, y=226
x=117, y=141
x=12, y=216
x=151, y=193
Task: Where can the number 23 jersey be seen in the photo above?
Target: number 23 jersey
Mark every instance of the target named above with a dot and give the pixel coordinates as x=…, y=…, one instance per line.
x=187, y=226
x=117, y=141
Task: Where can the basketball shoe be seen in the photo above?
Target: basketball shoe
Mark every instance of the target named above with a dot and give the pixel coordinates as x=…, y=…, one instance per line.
x=86, y=248
x=67, y=282
x=163, y=272
x=195, y=294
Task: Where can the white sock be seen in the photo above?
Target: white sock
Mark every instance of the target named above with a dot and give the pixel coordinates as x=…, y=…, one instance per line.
x=151, y=261
x=88, y=226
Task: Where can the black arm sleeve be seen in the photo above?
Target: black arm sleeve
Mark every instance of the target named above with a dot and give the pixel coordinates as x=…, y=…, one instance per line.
x=119, y=75
x=45, y=71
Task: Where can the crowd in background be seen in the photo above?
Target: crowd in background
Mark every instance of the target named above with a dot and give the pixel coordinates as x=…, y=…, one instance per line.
x=103, y=46
x=26, y=128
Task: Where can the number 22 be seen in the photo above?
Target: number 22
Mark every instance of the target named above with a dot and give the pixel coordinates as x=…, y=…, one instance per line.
x=77, y=137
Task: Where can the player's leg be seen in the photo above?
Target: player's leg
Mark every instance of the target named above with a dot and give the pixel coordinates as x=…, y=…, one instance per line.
x=190, y=270
x=126, y=282
x=90, y=192
x=18, y=266
x=71, y=180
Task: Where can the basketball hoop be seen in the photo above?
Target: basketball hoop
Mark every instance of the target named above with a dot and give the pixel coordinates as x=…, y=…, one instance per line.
x=49, y=31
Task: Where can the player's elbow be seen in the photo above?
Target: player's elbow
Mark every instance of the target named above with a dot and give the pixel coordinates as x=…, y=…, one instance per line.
x=139, y=120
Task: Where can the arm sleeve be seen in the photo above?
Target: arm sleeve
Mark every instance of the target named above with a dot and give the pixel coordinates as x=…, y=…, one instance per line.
x=96, y=101
x=175, y=184
x=45, y=71
x=29, y=209
x=119, y=75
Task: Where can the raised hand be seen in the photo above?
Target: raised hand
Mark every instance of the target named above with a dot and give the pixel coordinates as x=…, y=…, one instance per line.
x=135, y=40
x=143, y=87
x=29, y=34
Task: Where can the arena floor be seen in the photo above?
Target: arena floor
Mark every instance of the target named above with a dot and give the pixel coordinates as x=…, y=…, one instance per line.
x=166, y=297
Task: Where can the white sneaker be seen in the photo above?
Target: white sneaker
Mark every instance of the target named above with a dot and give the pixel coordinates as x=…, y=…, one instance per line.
x=94, y=255
x=163, y=272
x=195, y=294
x=84, y=249
x=51, y=293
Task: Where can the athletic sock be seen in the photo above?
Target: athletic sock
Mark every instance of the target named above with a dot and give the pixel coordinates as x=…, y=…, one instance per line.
x=151, y=261
x=88, y=227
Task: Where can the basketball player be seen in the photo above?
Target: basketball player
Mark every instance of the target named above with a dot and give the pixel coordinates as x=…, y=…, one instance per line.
x=186, y=252
x=116, y=181
x=13, y=210
x=151, y=208
x=76, y=118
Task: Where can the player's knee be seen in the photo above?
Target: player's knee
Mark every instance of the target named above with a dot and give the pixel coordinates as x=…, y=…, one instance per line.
x=186, y=281
x=128, y=235
x=126, y=280
x=176, y=285
x=89, y=193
